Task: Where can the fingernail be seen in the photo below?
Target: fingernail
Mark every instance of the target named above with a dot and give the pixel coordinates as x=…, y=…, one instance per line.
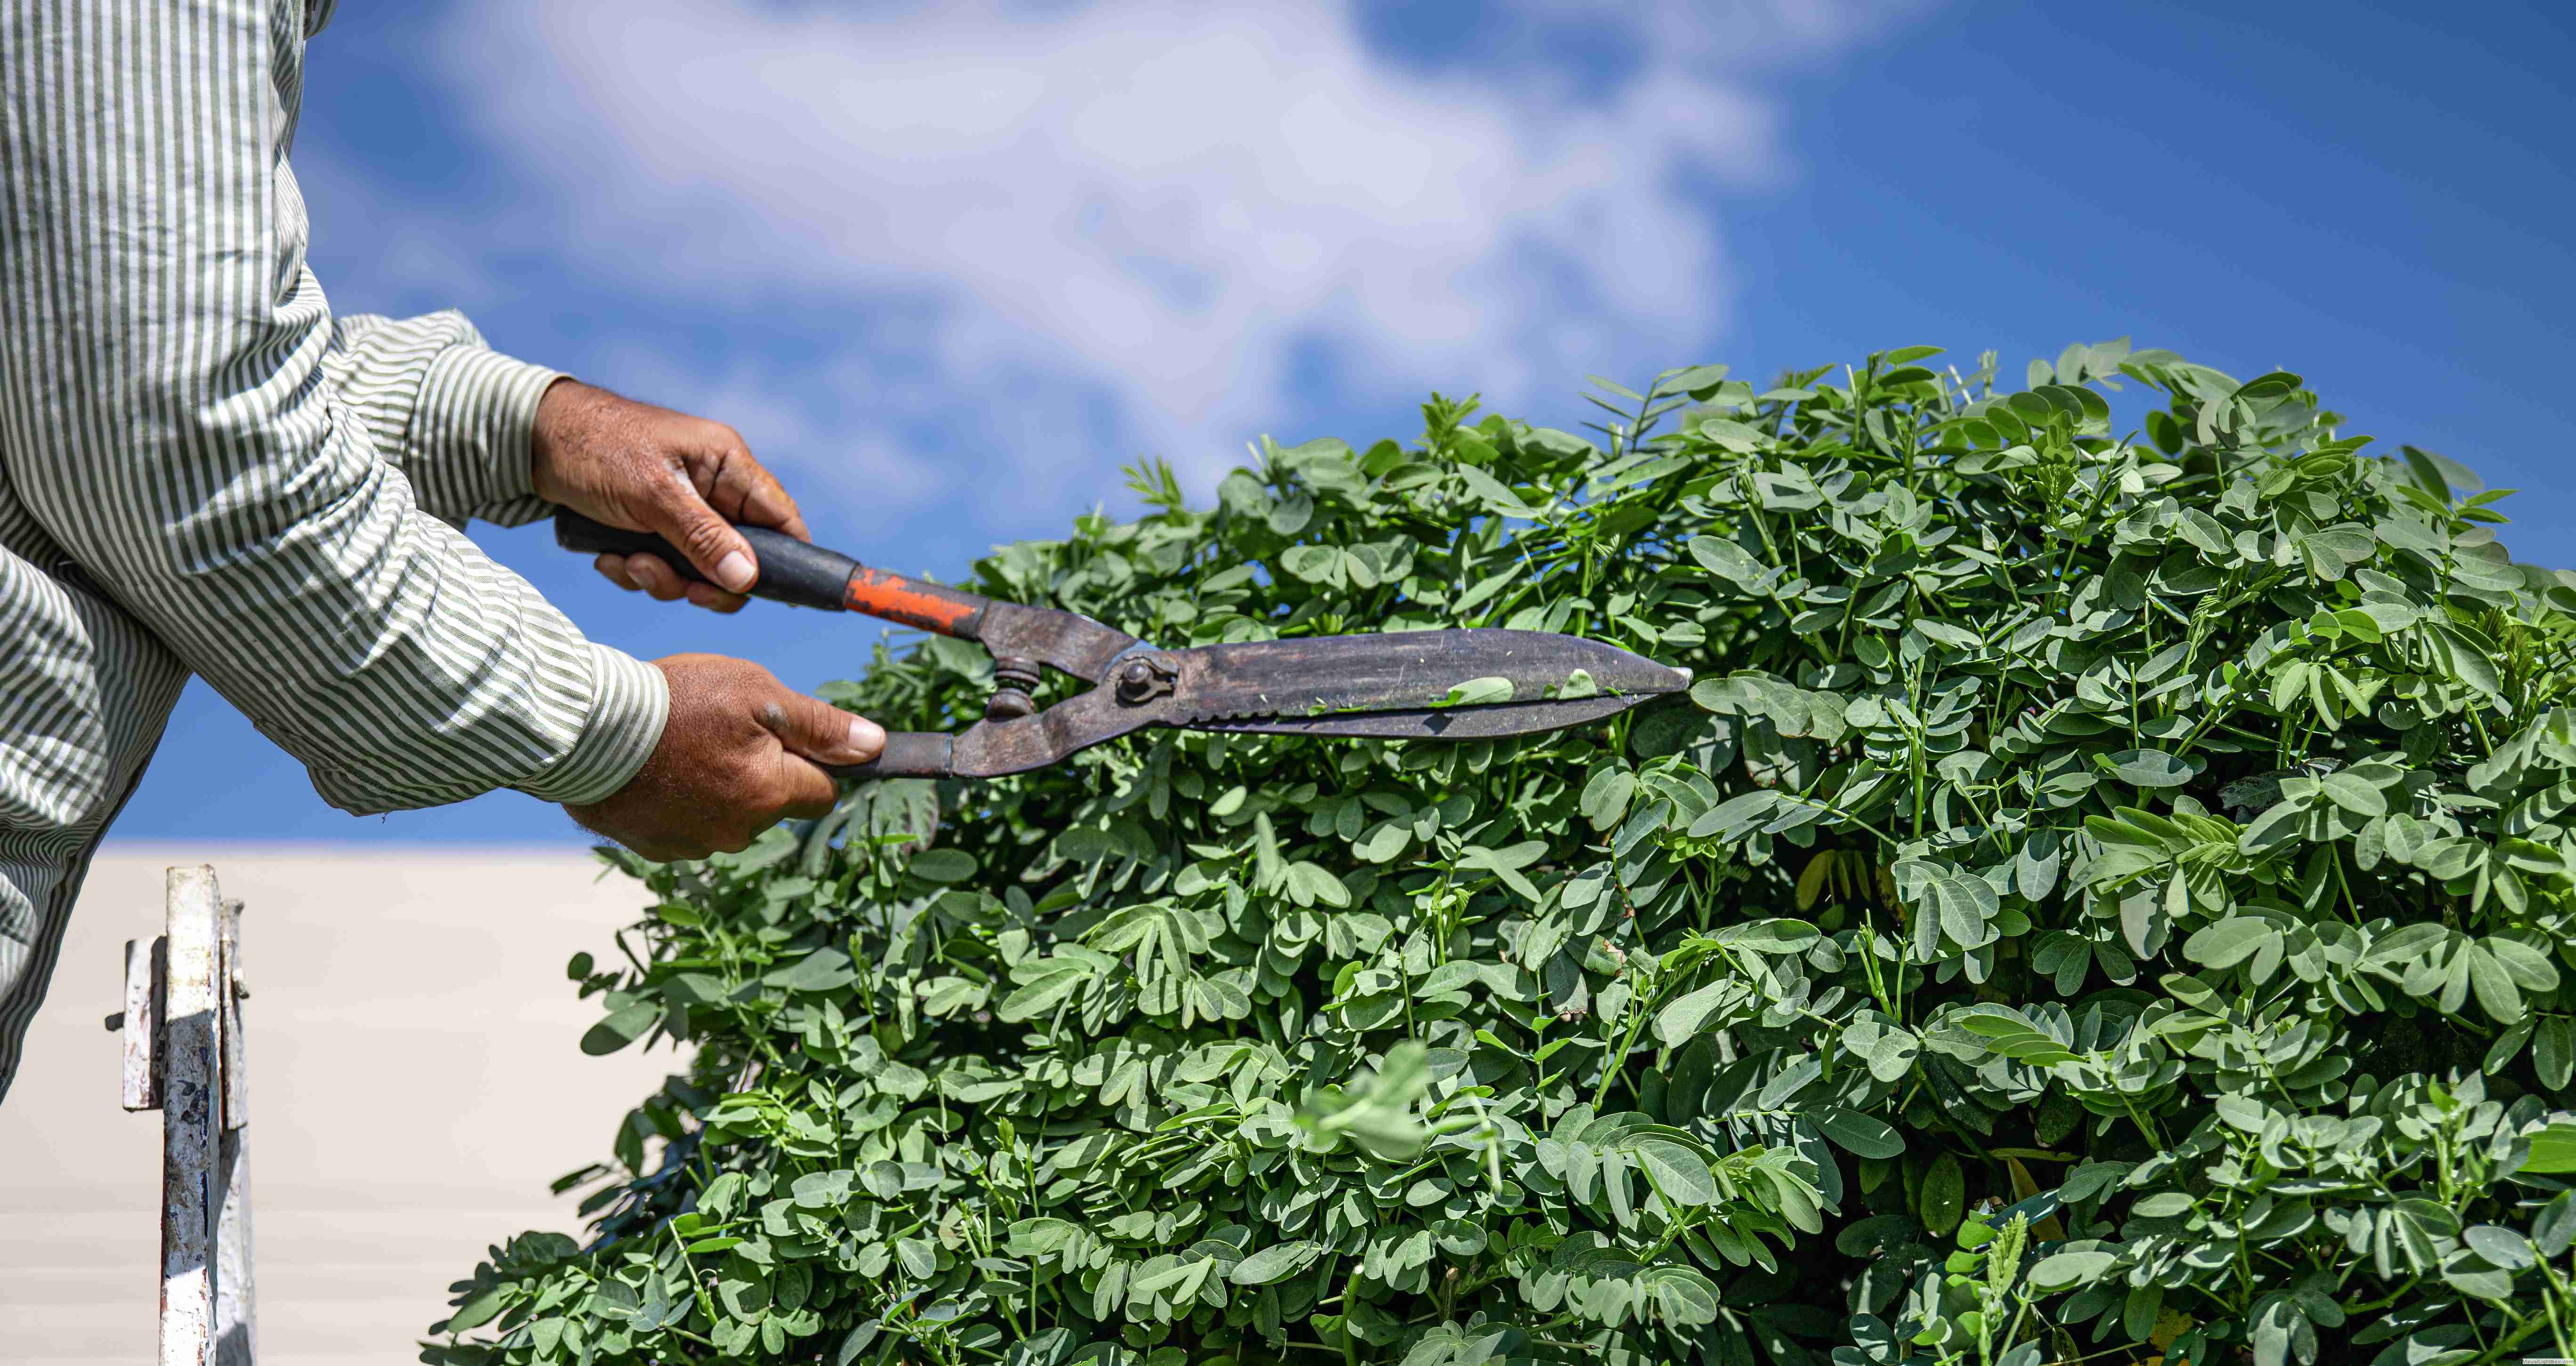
x=734, y=571
x=866, y=736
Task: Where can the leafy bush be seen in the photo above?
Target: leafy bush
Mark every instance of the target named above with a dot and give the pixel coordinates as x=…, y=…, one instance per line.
x=2106, y=898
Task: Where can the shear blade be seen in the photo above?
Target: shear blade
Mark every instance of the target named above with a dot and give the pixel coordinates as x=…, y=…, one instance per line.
x=1391, y=687
x=1445, y=723
x=1328, y=677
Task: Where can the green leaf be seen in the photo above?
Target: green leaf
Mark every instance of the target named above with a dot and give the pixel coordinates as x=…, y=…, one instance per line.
x=1310, y=885
x=942, y=865
x=2229, y=942
x=855, y=1342
x=2062, y=1271
x=1269, y=869
x=2147, y=768
x=1492, y=494
x=477, y=1311
x=2530, y=968
x=2553, y=1051
x=2553, y=1230
x=2553, y=1149
x=1047, y=983
x=2501, y=1247
x=821, y=970
x=2010, y=1034
x=1276, y=1263
x=1699, y=381
x=1384, y=841
x=1945, y=1194
x=2353, y=794
x=1488, y=588
x=1605, y=797
x=623, y=1026
x=1858, y=1133
x=1506, y=864
x=1731, y=562
x=1683, y=1297
x=1682, y=1018
x=1892, y=1057
x=1766, y=936
x=1477, y=692
x=2496, y=991
x=1677, y=1173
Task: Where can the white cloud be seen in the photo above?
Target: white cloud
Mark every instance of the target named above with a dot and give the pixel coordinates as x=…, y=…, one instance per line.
x=777, y=417
x=1139, y=218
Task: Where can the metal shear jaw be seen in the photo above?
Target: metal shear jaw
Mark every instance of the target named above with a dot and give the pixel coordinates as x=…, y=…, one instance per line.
x=1391, y=686
x=1395, y=686
x=1014, y=736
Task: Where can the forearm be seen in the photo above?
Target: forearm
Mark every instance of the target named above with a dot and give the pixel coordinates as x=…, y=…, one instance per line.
x=375, y=643
x=455, y=416
x=171, y=421
x=399, y=663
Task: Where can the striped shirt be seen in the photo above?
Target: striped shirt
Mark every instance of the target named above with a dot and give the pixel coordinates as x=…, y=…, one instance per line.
x=202, y=471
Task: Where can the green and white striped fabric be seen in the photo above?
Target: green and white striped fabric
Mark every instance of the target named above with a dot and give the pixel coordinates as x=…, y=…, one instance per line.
x=201, y=470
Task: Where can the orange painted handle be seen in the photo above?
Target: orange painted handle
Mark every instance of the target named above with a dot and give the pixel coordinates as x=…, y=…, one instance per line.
x=910, y=602
x=800, y=575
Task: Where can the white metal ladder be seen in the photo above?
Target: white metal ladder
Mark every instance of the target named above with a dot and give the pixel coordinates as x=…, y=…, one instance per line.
x=183, y=1057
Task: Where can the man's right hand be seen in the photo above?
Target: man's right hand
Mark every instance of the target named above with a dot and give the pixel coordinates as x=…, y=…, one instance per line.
x=738, y=753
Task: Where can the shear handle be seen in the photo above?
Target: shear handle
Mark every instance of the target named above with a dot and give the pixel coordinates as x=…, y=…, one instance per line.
x=908, y=754
x=799, y=575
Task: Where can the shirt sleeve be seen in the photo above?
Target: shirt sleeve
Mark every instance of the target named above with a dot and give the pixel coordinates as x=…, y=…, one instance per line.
x=170, y=415
x=455, y=416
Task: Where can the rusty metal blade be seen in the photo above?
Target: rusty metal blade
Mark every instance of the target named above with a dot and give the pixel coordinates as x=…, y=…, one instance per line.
x=1389, y=687
x=990, y=749
x=1446, y=723
x=1402, y=670
x=1076, y=644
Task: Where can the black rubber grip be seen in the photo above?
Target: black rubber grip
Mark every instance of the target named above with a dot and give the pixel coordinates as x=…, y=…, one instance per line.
x=791, y=571
x=908, y=754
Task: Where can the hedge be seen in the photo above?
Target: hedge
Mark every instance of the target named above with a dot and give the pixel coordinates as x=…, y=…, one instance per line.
x=2107, y=898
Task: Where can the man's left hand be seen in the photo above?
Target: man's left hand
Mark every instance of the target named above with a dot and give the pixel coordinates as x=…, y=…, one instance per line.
x=645, y=468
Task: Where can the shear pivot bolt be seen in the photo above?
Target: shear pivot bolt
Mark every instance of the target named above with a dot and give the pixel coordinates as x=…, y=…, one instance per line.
x=1141, y=679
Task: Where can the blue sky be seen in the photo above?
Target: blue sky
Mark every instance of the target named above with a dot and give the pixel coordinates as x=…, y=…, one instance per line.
x=948, y=267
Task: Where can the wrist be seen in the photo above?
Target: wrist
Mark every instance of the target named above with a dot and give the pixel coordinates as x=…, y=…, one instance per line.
x=549, y=436
x=472, y=430
x=630, y=704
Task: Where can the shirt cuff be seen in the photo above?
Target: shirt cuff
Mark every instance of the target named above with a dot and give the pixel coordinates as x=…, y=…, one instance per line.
x=626, y=715
x=476, y=427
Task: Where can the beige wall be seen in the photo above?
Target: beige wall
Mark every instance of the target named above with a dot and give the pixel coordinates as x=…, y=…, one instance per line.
x=415, y=1083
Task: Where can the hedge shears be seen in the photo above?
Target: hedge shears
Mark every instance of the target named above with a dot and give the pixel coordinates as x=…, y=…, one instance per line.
x=1474, y=684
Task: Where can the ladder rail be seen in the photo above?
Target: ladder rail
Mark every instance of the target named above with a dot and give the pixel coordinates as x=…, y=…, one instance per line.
x=184, y=1055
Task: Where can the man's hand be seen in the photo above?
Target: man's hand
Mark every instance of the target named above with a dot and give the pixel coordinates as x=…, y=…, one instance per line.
x=644, y=468
x=738, y=753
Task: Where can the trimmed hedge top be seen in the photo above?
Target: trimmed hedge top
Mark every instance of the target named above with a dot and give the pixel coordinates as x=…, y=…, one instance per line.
x=2107, y=897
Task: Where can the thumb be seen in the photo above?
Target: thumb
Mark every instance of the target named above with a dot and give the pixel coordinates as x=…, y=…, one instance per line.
x=820, y=731
x=680, y=516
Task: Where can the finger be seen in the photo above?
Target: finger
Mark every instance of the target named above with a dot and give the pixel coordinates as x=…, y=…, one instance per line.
x=820, y=731
x=804, y=790
x=748, y=494
x=613, y=568
x=715, y=599
x=680, y=516
x=655, y=577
